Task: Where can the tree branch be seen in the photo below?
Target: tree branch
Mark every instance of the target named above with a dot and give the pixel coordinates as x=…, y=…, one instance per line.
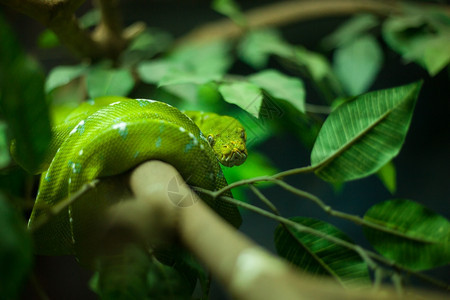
x=287, y=12
x=107, y=41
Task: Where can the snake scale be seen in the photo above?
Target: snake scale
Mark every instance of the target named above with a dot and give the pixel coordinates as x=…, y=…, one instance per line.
x=111, y=135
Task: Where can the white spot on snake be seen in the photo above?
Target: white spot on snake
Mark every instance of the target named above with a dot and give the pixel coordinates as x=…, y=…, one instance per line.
x=136, y=154
x=144, y=102
x=114, y=103
x=81, y=152
x=182, y=129
x=158, y=142
x=70, y=180
x=58, y=150
x=91, y=101
x=79, y=128
x=122, y=128
x=202, y=147
x=47, y=177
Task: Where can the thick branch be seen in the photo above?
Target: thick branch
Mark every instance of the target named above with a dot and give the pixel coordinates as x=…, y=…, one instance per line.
x=246, y=270
x=287, y=12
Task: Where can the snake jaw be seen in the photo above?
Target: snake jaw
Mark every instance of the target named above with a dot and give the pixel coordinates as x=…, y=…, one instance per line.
x=235, y=157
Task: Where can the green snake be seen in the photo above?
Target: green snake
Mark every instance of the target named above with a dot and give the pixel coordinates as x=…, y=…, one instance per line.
x=111, y=135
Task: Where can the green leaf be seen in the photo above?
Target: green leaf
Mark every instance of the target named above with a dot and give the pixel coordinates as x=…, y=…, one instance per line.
x=437, y=54
x=350, y=30
x=47, y=39
x=319, y=256
x=22, y=101
x=256, y=47
x=91, y=18
x=15, y=251
x=357, y=64
x=145, y=46
x=423, y=240
x=316, y=64
x=5, y=158
x=62, y=75
x=153, y=71
x=179, y=76
x=282, y=87
x=387, y=175
x=204, y=59
x=362, y=135
x=420, y=38
x=109, y=82
x=246, y=95
x=230, y=9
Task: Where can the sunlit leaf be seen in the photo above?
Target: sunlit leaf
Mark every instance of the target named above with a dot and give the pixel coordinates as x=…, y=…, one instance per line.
x=387, y=175
x=316, y=64
x=350, y=30
x=230, y=9
x=204, y=59
x=246, y=95
x=319, y=256
x=363, y=134
x=62, y=75
x=357, y=64
x=423, y=239
x=437, y=54
x=257, y=46
x=109, y=82
x=153, y=71
x=281, y=87
x=15, y=251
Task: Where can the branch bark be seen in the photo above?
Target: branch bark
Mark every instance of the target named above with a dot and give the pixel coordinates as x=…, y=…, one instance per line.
x=242, y=267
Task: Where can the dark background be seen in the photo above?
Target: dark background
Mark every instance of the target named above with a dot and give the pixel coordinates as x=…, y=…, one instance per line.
x=422, y=166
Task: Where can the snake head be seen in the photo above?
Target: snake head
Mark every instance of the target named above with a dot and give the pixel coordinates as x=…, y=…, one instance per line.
x=229, y=146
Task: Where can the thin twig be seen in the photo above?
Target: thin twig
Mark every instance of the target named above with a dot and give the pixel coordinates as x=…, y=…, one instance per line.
x=54, y=210
x=338, y=241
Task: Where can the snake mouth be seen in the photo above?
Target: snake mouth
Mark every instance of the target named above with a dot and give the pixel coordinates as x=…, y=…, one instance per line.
x=236, y=158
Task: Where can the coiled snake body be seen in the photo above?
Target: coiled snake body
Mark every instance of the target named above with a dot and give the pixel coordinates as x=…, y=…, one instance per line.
x=109, y=136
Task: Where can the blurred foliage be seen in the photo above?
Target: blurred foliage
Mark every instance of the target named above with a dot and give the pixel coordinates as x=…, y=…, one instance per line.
x=349, y=130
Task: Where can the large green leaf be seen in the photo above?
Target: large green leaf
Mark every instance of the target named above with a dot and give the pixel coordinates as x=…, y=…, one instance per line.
x=350, y=30
x=15, y=251
x=257, y=45
x=109, y=82
x=364, y=133
x=357, y=64
x=62, y=75
x=319, y=256
x=281, y=87
x=247, y=96
x=423, y=239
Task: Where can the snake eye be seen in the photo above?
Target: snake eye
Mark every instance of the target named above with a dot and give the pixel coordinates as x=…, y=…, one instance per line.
x=211, y=140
